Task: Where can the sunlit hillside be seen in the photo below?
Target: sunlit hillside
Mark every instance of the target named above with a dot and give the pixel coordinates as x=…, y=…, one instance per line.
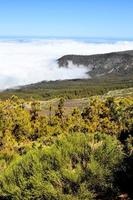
x=78, y=149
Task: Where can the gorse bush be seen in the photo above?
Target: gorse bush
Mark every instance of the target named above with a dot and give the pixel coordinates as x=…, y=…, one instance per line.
x=73, y=164
x=59, y=156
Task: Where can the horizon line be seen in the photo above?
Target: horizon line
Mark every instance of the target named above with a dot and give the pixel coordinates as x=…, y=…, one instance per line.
x=59, y=36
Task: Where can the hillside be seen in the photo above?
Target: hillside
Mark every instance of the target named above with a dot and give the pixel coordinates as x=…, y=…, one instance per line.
x=116, y=63
x=80, y=103
x=109, y=71
x=83, y=154
x=69, y=89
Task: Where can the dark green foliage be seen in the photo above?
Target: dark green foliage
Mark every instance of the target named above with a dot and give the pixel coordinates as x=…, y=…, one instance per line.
x=70, y=89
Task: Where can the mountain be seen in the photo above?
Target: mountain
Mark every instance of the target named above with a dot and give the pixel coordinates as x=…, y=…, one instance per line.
x=116, y=63
x=109, y=71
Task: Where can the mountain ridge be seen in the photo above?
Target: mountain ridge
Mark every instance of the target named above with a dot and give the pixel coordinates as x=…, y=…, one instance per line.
x=115, y=63
x=79, y=88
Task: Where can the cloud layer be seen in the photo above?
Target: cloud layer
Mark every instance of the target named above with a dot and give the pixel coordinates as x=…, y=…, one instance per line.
x=32, y=61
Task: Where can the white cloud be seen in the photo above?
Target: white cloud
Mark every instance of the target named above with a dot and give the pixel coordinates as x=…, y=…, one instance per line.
x=29, y=62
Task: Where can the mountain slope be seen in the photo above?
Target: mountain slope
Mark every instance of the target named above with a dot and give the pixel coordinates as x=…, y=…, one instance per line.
x=108, y=72
x=116, y=63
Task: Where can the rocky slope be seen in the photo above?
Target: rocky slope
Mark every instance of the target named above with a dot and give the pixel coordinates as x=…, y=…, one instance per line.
x=116, y=63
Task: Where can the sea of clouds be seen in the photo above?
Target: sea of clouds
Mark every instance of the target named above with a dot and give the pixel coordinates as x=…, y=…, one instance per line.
x=25, y=62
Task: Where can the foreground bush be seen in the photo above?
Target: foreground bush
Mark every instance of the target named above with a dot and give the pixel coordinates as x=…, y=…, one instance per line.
x=85, y=154
x=77, y=167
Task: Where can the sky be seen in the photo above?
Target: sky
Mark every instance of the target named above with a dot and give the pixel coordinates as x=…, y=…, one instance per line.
x=67, y=18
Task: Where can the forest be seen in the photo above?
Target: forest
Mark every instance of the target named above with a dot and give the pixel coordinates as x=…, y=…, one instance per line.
x=85, y=154
x=70, y=89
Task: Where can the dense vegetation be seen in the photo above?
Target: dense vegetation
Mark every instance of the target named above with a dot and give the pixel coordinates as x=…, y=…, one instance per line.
x=85, y=155
x=70, y=88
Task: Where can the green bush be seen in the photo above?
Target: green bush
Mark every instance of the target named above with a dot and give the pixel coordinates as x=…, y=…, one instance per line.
x=76, y=167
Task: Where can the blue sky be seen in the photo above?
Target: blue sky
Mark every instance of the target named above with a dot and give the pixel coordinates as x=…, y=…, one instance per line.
x=68, y=18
